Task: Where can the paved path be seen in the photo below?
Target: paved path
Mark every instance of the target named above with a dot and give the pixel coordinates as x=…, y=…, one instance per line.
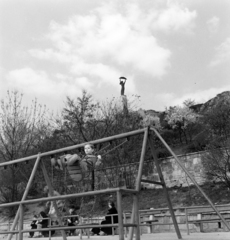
x=154, y=236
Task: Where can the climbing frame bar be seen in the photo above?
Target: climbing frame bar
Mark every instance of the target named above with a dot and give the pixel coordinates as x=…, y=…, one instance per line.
x=142, y=158
x=67, y=196
x=51, y=192
x=153, y=152
x=136, y=216
x=21, y=221
x=103, y=140
x=25, y=195
x=120, y=216
x=191, y=178
x=138, y=180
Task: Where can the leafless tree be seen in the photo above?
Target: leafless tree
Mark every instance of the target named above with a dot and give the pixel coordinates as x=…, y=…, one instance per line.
x=22, y=131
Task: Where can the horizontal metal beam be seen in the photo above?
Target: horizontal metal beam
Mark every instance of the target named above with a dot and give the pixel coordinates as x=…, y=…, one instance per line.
x=157, y=210
x=74, y=195
x=152, y=182
x=103, y=140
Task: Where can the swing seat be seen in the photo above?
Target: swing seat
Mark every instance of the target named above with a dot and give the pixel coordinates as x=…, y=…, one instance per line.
x=73, y=167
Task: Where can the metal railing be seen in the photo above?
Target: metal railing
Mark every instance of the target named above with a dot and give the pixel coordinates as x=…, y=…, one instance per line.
x=119, y=225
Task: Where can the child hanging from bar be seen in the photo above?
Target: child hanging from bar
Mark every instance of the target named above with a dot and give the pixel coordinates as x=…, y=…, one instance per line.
x=80, y=168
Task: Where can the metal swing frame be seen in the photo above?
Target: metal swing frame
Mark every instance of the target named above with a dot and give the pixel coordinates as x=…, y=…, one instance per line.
x=65, y=171
x=148, y=140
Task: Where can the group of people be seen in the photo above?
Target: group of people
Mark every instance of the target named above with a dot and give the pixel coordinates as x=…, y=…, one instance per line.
x=42, y=221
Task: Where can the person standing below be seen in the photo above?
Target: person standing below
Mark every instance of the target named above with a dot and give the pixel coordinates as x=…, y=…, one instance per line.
x=108, y=220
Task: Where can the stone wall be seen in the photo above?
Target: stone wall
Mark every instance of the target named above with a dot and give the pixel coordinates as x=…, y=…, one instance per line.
x=174, y=175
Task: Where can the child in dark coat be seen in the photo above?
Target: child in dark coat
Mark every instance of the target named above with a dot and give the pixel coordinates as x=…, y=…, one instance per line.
x=33, y=225
x=73, y=220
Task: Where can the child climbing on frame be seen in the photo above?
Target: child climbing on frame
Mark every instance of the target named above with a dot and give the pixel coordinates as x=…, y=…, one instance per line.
x=78, y=167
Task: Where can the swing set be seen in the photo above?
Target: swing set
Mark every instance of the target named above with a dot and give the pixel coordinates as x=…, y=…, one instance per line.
x=149, y=135
x=60, y=176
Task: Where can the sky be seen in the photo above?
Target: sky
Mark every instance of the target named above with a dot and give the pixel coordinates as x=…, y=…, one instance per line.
x=169, y=51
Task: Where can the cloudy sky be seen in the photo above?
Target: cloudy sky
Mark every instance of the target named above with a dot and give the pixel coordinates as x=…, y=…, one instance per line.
x=169, y=51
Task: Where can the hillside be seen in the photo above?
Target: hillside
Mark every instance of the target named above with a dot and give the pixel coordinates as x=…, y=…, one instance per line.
x=155, y=198
x=219, y=99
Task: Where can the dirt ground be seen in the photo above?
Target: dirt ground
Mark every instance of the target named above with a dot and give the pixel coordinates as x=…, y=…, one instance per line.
x=157, y=236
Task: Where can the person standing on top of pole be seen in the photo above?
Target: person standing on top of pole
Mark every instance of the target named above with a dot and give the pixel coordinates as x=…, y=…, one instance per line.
x=122, y=83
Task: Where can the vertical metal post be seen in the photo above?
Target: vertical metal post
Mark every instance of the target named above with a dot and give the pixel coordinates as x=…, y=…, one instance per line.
x=51, y=191
x=17, y=233
x=143, y=151
x=191, y=178
x=201, y=224
x=81, y=230
x=164, y=187
x=138, y=179
x=137, y=219
x=186, y=219
x=120, y=218
x=125, y=221
x=139, y=224
x=25, y=195
x=112, y=223
x=21, y=220
x=50, y=222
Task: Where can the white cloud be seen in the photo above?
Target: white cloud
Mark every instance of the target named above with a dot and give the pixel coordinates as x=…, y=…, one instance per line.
x=174, y=18
x=118, y=37
x=200, y=96
x=114, y=40
x=38, y=83
x=222, y=53
x=213, y=24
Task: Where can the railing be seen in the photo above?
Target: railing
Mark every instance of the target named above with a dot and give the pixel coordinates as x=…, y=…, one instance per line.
x=120, y=225
x=144, y=215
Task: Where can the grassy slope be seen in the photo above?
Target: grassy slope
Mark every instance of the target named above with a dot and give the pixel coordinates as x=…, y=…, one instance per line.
x=155, y=198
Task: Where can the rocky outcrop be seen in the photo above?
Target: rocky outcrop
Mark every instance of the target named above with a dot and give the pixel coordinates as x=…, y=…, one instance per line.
x=220, y=99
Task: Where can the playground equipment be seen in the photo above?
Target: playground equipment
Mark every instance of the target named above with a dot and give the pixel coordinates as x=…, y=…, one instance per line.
x=148, y=140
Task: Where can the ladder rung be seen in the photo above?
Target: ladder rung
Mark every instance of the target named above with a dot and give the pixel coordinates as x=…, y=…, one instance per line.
x=153, y=182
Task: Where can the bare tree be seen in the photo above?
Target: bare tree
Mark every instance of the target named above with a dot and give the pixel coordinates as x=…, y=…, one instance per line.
x=22, y=131
x=216, y=164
